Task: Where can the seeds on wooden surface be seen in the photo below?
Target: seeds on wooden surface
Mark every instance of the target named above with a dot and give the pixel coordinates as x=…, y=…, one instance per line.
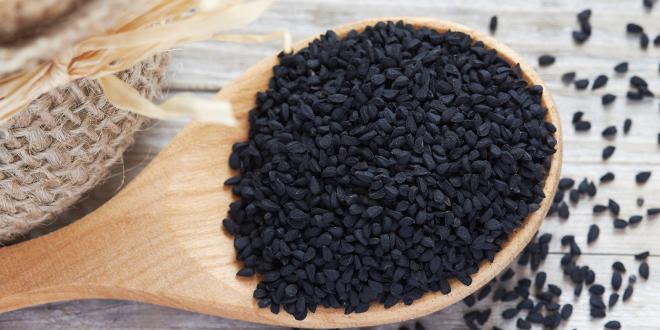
x=342, y=182
x=614, y=298
x=621, y=67
x=599, y=208
x=620, y=223
x=577, y=116
x=608, y=151
x=656, y=40
x=582, y=126
x=546, y=60
x=618, y=266
x=642, y=255
x=566, y=311
x=607, y=177
x=419, y=326
x=563, y=211
x=492, y=24
x=507, y=275
x=584, y=15
x=607, y=99
x=635, y=219
x=593, y=233
x=539, y=280
x=642, y=177
x=627, y=293
x=613, y=206
x=634, y=28
x=599, y=82
x=653, y=211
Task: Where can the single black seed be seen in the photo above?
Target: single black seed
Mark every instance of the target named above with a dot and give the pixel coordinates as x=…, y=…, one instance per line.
x=566, y=311
x=648, y=4
x=635, y=219
x=597, y=289
x=568, y=77
x=581, y=83
x=594, y=231
x=614, y=298
x=469, y=300
x=245, y=271
x=644, y=270
x=582, y=126
x=634, y=28
x=555, y=290
x=584, y=15
x=607, y=177
x=620, y=223
x=597, y=313
x=634, y=95
x=621, y=67
x=546, y=60
x=614, y=325
x=535, y=316
x=509, y=313
x=640, y=201
x=616, y=280
x=599, y=82
x=566, y=183
x=419, y=326
x=484, y=292
x=642, y=255
x=574, y=195
x=653, y=211
x=644, y=40
x=577, y=116
x=523, y=324
x=656, y=40
x=638, y=82
x=609, y=131
x=627, y=293
x=627, y=124
x=632, y=279
x=619, y=267
x=563, y=211
x=507, y=275
x=580, y=36
x=607, y=99
x=578, y=289
x=608, y=151
x=598, y=208
x=492, y=24
x=642, y=177
x=596, y=302
x=613, y=206
x=539, y=280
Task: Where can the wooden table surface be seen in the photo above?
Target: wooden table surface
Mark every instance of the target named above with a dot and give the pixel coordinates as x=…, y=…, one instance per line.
x=530, y=27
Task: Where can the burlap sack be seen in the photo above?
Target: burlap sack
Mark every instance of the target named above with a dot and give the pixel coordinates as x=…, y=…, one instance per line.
x=66, y=141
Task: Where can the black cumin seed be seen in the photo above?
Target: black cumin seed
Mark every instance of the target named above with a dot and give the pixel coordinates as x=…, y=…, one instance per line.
x=582, y=126
x=594, y=231
x=509, y=313
x=609, y=131
x=577, y=116
x=653, y=211
x=523, y=324
x=644, y=40
x=642, y=177
x=608, y=151
x=607, y=99
x=632, y=279
x=546, y=60
x=640, y=201
x=635, y=219
x=621, y=67
x=614, y=325
x=469, y=300
x=598, y=208
x=419, y=326
x=597, y=289
x=607, y=177
x=568, y=77
x=616, y=280
x=580, y=36
x=656, y=40
x=574, y=195
x=648, y=4
x=566, y=311
x=597, y=313
x=613, y=206
x=626, y=125
x=618, y=266
x=539, y=280
x=581, y=84
x=507, y=275
x=535, y=316
x=563, y=211
x=627, y=293
x=555, y=290
x=644, y=270
x=614, y=298
x=584, y=15
x=492, y=24
x=634, y=28
x=620, y=223
x=566, y=183
x=599, y=82
x=642, y=255
x=578, y=289
x=596, y=302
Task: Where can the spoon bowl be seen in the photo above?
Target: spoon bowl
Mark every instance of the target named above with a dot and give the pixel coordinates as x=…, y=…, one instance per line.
x=160, y=240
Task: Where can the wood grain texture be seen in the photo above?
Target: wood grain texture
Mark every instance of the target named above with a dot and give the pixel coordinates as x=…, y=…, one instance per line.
x=531, y=28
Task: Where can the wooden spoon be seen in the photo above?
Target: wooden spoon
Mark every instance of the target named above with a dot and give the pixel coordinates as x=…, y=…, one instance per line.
x=160, y=240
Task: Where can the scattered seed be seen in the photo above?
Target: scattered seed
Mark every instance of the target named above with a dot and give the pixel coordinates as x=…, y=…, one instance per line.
x=419, y=326
x=597, y=313
x=608, y=151
x=566, y=183
x=642, y=177
x=620, y=223
x=509, y=313
x=594, y=231
x=607, y=177
x=607, y=99
x=621, y=67
x=599, y=82
x=614, y=298
x=613, y=206
x=644, y=40
x=577, y=116
x=598, y=208
x=619, y=267
x=648, y=4
x=581, y=83
x=566, y=311
x=627, y=293
x=539, y=280
x=582, y=126
x=635, y=219
x=568, y=77
x=644, y=270
x=492, y=24
x=632, y=279
x=584, y=15
x=523, y=324
x=653, y=211
x=574, y=195
x=609, y=131
x=484, y=292
x=626, y=125
x=563, y=211
x=656, y=40
x=615, y=325
x=507, y=275
x=546, y=60
x=634, y=28
x=642, y=255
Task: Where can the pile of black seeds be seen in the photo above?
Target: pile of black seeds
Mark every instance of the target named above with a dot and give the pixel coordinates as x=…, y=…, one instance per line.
x=383, y=164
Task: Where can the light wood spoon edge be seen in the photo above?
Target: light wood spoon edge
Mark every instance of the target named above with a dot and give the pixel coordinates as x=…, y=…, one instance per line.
x=160, y=240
